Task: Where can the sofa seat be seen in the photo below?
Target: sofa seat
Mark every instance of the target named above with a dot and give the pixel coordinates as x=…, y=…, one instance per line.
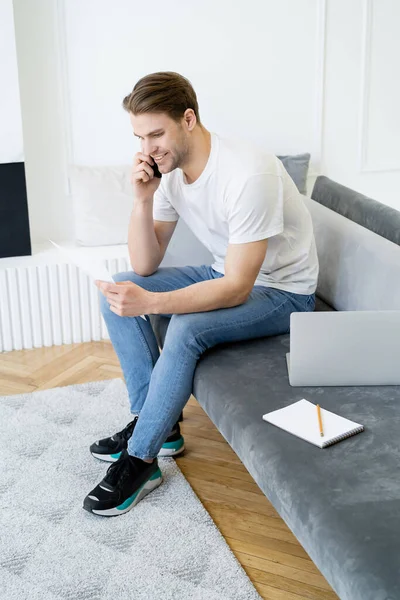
x=342, y=503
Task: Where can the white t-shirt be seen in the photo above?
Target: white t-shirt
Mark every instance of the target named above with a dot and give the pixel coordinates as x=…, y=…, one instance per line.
x=245, y=195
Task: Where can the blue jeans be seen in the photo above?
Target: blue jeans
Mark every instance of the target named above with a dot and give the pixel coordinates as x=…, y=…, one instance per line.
x=159, y=385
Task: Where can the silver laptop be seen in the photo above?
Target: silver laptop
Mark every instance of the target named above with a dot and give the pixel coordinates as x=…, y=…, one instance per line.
x=344, y=348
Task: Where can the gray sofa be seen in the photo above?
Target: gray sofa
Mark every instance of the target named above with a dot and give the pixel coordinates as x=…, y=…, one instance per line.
x=342, y=503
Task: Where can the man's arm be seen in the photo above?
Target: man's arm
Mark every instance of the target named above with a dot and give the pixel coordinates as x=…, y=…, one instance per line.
x=147, y=239
x=242, y=266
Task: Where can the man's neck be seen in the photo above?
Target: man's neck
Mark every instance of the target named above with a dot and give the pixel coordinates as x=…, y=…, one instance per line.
x=199, y=158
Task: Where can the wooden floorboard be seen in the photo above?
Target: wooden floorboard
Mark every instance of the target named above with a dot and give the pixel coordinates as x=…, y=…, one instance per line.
x=275, y=562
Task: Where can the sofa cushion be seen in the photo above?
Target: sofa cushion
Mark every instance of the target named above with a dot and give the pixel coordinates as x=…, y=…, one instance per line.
x=320, y=305
x=102, y=203
x=369, y=213
x=358, y=269
x=297, y=167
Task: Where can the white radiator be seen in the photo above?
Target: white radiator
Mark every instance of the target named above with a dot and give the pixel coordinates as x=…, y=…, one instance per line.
x=50, y=304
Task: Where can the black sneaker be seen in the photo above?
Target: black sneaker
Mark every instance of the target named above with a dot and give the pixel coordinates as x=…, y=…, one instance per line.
x=126, y=483
x=174, y=444
x=110, y=449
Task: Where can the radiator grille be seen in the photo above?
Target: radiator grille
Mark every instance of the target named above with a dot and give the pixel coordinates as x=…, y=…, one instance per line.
x=48, y=305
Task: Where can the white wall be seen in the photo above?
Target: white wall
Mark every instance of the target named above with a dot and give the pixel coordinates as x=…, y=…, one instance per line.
x=289, y=75
x=253, y=67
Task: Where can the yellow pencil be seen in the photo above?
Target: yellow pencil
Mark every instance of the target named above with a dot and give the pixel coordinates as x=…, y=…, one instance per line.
x=321, y=429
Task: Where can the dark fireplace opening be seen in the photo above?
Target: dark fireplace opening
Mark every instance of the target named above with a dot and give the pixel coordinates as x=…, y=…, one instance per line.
x=15, y=237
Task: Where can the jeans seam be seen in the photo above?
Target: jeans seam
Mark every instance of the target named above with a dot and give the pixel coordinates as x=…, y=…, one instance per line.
x=143, y=340
x=142, y=337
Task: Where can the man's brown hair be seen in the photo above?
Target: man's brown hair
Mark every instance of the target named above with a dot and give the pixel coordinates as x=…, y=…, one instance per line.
x=163, y=92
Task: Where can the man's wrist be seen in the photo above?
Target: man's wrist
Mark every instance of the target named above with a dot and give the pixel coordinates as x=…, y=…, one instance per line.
x=154, y=303
x=143, y=202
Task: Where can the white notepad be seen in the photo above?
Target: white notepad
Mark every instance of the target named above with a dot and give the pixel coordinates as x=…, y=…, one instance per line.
x=301, y=419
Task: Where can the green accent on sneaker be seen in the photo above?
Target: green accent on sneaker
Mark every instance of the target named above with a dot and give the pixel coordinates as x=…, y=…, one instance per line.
x=116, y=455
x=156, y=475
x=129, y=500
x=132, y=498
x=174, y=445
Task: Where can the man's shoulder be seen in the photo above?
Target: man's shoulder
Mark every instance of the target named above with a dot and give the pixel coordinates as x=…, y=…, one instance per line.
x=244, y=156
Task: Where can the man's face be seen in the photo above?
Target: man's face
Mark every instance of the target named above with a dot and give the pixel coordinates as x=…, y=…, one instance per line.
x=163, y=139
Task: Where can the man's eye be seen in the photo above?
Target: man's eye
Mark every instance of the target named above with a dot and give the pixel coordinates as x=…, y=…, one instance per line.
x=154, y=135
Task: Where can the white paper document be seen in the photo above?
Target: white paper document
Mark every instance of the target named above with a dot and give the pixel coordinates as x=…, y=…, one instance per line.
x=94, y=268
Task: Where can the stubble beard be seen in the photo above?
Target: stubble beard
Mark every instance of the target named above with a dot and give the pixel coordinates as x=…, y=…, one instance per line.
x=181, y=155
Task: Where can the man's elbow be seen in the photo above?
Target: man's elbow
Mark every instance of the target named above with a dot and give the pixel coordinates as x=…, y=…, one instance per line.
x=240, y=295
x=244, y=297
x=144, y=270
x=144, y=273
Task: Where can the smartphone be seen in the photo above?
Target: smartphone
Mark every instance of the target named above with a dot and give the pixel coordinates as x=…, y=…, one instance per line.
x=155, y=169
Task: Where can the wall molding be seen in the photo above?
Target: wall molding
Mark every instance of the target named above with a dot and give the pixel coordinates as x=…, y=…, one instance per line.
x=63, y=82
x=319, y=102
x=363, y=164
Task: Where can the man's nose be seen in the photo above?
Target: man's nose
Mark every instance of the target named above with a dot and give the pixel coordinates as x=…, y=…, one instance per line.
x=148, y=148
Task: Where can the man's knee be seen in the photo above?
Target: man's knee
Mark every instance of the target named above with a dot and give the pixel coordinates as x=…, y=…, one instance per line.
x=128, y=276
x=185, y=331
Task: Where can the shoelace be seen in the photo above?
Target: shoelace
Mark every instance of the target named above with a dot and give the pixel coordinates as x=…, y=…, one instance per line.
x=118, y=471
x=127, y=431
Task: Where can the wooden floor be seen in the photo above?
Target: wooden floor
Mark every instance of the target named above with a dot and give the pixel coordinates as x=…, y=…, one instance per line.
x=275, y=562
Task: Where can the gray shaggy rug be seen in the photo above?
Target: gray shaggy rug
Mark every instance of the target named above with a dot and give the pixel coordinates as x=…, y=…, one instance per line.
x=167, y=547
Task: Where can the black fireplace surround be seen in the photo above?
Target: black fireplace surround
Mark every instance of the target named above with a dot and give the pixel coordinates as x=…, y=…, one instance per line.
x=14, y=222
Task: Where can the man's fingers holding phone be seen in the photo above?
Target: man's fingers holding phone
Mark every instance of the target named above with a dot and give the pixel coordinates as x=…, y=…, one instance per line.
x=142, y=172
x=142, y=161
x=143, y=180
x=140, y=157
x=147, y=158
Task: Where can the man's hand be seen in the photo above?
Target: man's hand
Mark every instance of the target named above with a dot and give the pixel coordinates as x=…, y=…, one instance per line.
x=126, y=299
x=144, y=184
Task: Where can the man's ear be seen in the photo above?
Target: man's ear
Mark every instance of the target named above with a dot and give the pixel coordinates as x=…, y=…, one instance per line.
x=190, y=119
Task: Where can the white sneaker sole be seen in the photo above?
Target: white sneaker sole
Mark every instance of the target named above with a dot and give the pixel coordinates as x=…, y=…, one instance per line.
x=168, y=452
x=104, y=457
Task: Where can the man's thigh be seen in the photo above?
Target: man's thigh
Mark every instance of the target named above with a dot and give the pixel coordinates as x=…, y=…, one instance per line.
x=266, y=313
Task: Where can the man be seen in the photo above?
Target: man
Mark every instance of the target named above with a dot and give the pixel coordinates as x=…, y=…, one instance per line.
x=242, y=204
